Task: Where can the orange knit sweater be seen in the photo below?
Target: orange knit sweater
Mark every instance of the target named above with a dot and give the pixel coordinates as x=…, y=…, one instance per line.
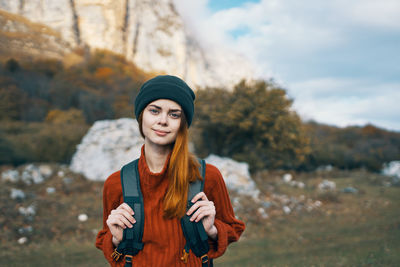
x=163, y=238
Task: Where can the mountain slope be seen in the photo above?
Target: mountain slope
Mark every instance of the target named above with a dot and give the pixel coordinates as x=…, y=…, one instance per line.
x=149, y=33
x=19, y=37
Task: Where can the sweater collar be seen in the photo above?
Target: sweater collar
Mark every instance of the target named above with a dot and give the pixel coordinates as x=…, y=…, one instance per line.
x=148, y=177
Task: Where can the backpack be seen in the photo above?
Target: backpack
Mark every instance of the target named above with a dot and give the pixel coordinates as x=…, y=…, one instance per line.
x=195, y=235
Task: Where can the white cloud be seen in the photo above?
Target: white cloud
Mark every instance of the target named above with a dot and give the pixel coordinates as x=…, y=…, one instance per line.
x=348, y=102
x=325, y=52
x=382, y=14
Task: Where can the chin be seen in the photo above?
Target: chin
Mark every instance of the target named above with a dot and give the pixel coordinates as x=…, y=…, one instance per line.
x=163, y=142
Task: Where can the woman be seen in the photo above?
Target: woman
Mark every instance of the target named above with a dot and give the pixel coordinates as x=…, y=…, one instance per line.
x=164, y=109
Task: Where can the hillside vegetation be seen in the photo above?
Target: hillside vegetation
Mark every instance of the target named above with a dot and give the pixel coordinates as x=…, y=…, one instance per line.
x=47, y=105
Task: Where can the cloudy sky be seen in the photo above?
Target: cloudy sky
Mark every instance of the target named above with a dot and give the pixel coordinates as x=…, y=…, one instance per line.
x=339, y=59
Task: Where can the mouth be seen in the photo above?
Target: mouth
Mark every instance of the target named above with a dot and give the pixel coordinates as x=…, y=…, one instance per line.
x=160, y=132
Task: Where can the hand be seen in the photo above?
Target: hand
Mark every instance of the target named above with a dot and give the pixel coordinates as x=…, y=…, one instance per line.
x=204, y=210
x=118, y=220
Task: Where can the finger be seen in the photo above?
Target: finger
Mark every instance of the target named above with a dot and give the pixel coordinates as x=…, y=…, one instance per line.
x=200, y=195
x=120, y=220
x=195, y=206
x=126, y=207
x=125, y=221
x=114, y=221
x=202, y=212
x=126, y=214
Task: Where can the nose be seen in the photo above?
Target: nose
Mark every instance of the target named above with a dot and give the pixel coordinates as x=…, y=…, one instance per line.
x=163, y=118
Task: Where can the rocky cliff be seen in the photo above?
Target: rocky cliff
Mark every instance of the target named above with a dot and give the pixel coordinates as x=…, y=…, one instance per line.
x=150, y=33
x=19, y=37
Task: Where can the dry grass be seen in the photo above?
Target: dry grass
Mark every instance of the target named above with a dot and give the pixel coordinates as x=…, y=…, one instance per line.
x=361, y=229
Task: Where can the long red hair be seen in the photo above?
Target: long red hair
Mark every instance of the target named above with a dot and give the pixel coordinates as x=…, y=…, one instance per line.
x=183, y=168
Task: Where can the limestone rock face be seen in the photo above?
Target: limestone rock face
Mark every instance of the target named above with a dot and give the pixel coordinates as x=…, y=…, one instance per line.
x=107, y=146
x=20, y=37
x=150, y=33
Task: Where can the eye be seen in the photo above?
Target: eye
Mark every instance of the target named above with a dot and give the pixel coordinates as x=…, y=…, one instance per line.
x=154, y=111
x=175, y=115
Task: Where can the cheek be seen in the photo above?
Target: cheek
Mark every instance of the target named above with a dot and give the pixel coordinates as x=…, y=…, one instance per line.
x=176, y=125
x=146, y=122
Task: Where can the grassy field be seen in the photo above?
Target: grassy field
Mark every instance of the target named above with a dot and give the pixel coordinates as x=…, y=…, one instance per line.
x=361, y=229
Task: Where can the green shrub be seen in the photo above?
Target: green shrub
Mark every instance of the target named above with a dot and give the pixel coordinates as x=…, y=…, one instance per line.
x=39, y=142
x=253, y=123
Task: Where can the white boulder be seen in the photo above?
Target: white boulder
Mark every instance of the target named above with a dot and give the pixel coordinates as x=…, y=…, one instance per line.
x=392, y=169
x=107, y=146
x=236, y=175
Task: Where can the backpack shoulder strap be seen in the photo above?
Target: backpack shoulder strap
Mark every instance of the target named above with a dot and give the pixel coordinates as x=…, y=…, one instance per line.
x=195, y=235
x=198, y=185
x=131, y=242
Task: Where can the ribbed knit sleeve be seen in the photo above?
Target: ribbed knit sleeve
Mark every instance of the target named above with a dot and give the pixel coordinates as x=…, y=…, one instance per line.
x=163, y=238
x=229, y=228
x=112, y=198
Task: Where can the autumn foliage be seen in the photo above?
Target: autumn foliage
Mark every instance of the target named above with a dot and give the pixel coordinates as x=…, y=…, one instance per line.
x=46, y=106
x=253, y=123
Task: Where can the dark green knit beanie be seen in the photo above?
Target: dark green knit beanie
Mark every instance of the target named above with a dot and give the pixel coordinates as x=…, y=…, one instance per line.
x=166, y=87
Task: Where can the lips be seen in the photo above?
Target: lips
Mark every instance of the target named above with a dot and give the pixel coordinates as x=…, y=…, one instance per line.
x=160, y=132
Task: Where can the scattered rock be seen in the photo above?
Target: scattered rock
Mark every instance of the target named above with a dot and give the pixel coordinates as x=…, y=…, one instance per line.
x=26, y=230
x=266, y=204
x=10, y=176
x=82, y=217
x=262, y=213
x=29, y=211
x=286, y=210
x=45, y=170
x=300, y=185
x=32, y=175
x=17, y=194
x=22, y=240
x=350, y=190
x=317, y=204
x=50, y=190
x=287, y=177
x=327, y=185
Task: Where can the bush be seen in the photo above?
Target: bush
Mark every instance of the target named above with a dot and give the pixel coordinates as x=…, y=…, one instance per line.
x=253, y=123
x=351, y=147
x=39, y=142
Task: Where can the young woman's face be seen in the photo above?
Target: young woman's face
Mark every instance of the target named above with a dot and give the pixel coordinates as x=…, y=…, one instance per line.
x=161, y=121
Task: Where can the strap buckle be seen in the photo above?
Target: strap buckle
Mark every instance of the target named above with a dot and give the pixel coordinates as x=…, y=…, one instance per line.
x=128, y=258
x=116, y=255
x=204, y=258
x=185, y=256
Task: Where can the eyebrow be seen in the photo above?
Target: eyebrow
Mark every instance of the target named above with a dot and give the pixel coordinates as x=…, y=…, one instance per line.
x=171, y=110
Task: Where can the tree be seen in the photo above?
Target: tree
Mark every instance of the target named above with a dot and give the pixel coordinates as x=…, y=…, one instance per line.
x=253, y=123
x=11, y=102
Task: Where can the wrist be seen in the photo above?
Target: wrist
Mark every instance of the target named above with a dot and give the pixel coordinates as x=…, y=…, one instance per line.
x=115, y=241
x=213, y=232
